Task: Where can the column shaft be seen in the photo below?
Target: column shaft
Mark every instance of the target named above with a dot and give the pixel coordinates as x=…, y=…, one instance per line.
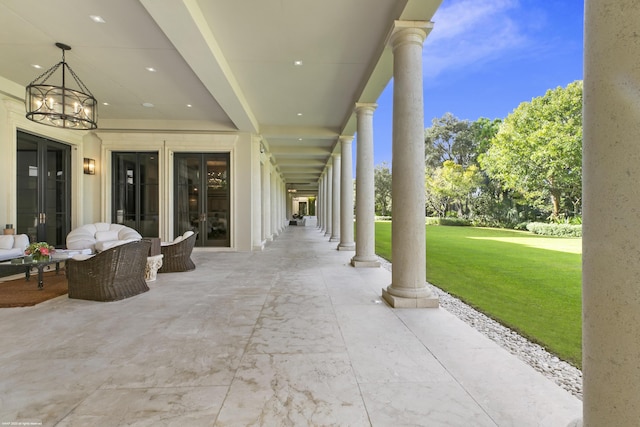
x=256, y=199
x=319, y=205
x=335, y=202
x=329, y=204
x=611, y=235
x=365, y=204
x=408, y=247
x=346, y=196
x=267, y=200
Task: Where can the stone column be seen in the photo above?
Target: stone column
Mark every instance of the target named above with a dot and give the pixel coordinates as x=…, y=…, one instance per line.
x=320, y=204
x=266, y=188
x=611, y=227
x=324, y=201
x=346, y=196
x=408, y=248
x=329, y=193
x=256, y=192
x=274, y=203
x=335, y=202
x=365, y=204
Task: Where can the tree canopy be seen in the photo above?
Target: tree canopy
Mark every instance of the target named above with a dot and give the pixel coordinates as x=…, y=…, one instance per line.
x=449, y=138
x=537, y=151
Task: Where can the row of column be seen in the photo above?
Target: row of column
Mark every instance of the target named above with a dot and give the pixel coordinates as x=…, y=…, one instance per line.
x=270, y=202
x=335, y=195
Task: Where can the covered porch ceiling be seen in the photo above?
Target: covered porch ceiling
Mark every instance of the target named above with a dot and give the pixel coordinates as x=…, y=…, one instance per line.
x=220, y=65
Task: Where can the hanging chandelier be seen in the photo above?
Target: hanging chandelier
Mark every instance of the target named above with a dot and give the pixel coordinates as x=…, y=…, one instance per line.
x=61, y=106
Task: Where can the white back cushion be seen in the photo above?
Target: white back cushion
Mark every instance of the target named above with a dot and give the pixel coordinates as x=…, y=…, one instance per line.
x=6, y=241
x=105, y=236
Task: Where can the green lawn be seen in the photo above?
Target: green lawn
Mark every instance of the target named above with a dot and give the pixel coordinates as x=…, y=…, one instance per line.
x=529, y=283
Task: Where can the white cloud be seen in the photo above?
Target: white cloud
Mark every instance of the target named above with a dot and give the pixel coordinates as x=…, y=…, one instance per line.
x=470, y=33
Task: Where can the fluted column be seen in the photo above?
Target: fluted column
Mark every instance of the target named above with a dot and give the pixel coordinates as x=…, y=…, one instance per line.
x=335, y=202
x=611, y=231
x=346, y=196
x=365, y=204
x=329, y=205
x=408, y=247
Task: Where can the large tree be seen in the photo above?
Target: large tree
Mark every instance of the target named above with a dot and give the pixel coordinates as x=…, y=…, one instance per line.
x=451, y=186
x=449, y=138
x=537, y=151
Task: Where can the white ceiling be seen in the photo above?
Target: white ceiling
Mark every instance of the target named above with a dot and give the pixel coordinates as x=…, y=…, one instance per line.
x=232, y=60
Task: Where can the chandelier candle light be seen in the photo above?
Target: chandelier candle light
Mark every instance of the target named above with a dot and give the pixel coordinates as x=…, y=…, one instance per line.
x=61, y=106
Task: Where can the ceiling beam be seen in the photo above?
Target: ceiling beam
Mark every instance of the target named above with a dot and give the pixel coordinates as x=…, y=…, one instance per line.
x=184, y=24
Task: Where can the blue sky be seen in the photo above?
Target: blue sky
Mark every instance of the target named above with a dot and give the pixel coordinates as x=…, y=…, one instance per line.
x=484, y=57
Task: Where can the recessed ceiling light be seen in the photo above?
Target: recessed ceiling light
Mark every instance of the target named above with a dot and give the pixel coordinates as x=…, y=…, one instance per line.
x=36, y=66
x=97, y=19
x=105, y=103
x=147, y=104
x=189, y=105
x=299, y=114
x=299, y=139
x=297, y=63
x=150, y=69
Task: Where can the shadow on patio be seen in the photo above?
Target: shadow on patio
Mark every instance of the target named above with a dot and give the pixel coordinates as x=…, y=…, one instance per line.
x=289, y=336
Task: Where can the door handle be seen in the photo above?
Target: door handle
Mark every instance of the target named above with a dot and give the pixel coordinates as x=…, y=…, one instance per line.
x=42, y=218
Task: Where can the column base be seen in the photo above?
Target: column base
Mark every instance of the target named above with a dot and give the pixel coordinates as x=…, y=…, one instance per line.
x=403, y=302
x=346, y=247
x=365, y=263
x=334, y=239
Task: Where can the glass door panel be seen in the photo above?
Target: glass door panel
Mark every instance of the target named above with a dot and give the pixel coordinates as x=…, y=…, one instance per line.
x=43, y=186
x=136, y=201
x=202, y=197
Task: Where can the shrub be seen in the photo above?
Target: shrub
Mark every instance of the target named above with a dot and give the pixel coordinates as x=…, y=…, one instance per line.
x=447, y=221
x=558, y=230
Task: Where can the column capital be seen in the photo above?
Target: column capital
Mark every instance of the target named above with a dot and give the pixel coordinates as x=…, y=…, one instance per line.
x=409, y=32
x=366, y=106
x=345, y=139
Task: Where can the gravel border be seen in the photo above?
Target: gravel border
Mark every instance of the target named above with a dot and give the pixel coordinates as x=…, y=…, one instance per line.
x=562, y=373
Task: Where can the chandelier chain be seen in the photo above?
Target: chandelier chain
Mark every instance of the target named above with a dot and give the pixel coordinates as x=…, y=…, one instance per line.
x=45, y=76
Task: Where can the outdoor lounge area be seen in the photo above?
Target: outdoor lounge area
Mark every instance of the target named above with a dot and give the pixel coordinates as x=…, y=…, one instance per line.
x=289, y=336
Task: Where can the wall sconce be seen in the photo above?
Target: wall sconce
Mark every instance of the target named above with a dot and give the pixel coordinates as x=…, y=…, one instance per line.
x=89, y=166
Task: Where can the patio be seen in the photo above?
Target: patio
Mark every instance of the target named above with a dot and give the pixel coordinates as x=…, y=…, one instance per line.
x=289, y=336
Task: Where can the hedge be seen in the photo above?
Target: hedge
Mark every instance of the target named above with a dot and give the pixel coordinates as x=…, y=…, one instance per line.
x=447, y=221
x=558, y=230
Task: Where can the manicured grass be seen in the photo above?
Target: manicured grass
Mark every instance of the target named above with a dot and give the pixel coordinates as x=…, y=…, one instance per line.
x=529, y=283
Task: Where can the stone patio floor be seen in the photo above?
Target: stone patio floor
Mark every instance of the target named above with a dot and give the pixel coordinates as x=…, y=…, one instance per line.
x=290, y=336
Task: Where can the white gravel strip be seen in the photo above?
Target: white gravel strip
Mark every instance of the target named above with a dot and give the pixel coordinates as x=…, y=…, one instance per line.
x=559, y=371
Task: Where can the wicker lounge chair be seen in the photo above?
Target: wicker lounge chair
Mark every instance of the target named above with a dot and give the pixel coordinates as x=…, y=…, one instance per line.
x=177, y=255
x=111, y=275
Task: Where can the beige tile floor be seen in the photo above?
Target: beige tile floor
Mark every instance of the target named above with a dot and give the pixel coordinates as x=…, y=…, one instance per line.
x=291, y=336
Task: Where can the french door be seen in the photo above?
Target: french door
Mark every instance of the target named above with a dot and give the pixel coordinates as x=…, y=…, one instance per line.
x=136, y=191
x=202, y=197
x=43, y=188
